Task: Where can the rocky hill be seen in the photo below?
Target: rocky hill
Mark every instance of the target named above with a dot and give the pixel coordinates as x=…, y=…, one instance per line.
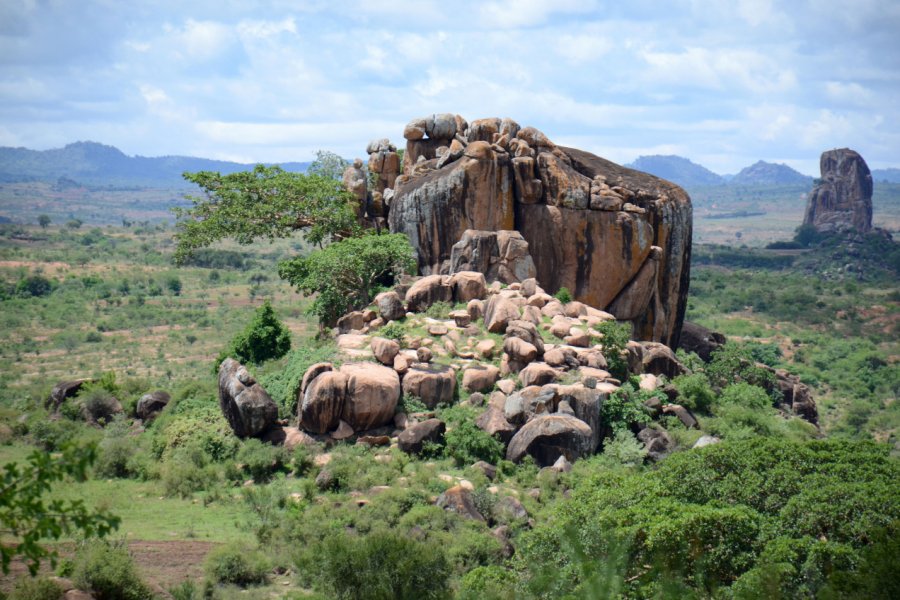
x=97, y=164
x=677, y=169
x=765, y=173
x=492, y=194
x=544, y=374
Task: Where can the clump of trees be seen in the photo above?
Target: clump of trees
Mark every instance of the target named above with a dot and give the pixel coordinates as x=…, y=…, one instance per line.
x=264, y=338
x=350, y=264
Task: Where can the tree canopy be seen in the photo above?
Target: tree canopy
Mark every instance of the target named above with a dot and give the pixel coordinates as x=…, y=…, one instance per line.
x=267, y=202
x=347, y=274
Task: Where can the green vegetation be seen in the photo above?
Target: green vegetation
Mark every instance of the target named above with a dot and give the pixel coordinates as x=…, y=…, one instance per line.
x=108, y=572
x=265, y=338
x=27, y=513
x=348, y=274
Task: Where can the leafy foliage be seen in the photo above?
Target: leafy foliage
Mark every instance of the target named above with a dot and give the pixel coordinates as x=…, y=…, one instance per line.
x=384, y=566
x=237, y=565
x=754, y=511
x=264, y=338
x=615, y=339
x=29, y=517
x=108, y=571
x=266, y=202
x=467, y=444
x=623, y=408
x=347, y=274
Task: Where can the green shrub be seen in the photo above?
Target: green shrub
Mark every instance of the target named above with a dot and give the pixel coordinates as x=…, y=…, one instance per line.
x=615, y=339
x=746, y=395
x=264, y=338
x=563, y=295
x=622, y=409
x=694, y=392
x=439, y=310
x=34, y=286
x=260, y=460
x=117, y=451
x=108, y=572
x=625, y=449
x=98, y=405
x=187, y=470
x=488, y=583
x=383, y=566
x=237, y=565
x=465, y=443
x=36, y=588
x=393, y=331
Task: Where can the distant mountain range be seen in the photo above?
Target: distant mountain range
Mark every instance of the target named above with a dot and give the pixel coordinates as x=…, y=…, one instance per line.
x=100, y=165
x=677, y=169
x=688, y=174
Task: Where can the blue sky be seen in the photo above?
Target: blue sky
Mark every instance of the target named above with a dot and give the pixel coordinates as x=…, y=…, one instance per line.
x=722, y=83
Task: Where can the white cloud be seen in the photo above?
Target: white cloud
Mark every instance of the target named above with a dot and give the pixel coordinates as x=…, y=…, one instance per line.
x=511, y=14
x=266, y=29
x=199, y=40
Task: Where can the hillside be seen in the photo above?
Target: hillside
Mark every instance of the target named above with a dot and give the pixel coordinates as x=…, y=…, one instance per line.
x=676, y=169
x=101, y=165
x=766, y=173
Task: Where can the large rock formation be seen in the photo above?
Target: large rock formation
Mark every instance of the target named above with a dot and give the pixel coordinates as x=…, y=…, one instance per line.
x=618, y=239
x=843, y=197
x=247, y=407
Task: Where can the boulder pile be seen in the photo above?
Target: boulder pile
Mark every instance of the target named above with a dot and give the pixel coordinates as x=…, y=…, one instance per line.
x=540, y=371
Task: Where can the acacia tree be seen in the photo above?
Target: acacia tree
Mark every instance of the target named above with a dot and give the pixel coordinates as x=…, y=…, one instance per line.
x=346, y=274
x=265, y=203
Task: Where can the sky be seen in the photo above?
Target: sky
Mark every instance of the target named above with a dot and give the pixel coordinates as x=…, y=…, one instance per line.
x=724, y=83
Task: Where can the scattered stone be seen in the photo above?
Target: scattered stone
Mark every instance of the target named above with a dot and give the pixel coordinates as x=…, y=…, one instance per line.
x=385, y=350
x=373, y=391
x=498, y=313
x=493, y=422
x=480, y=378
x=424, y=355
x=489, y=470
x=547, y=437
x=342, y=432
x=459, y=500
x=322, y=404
x=64, y=390
x=433, y=384
x=507, y=386
x=152, y=404
x=562, y=465
x=537, y=373
x=684, y=415
x=428, y=290
x=461, y=318
x=413, y=438
x=352, y=321
x=706, y=440
x=486, y=348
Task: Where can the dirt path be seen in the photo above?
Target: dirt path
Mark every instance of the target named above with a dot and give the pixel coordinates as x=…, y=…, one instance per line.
x=162, y=564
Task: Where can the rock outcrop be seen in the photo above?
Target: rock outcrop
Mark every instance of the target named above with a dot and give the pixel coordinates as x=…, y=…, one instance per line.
x=618, y=239
x=152, y=404
x=843, y=197
x=247, y=407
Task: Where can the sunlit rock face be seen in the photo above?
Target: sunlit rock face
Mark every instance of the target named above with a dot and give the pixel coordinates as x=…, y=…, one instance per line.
x=618, y=239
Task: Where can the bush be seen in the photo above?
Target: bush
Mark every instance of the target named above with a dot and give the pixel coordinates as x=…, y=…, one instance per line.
x=746, y=395
x=488, y=583
x=108, y=571
x=622, y=409
x=187, y=471
x=265, y=338
x=694, y=392
x=625, y=449
x=615, y=339
x=260, y=460
x=384, y=566
x=346, y=275
x=563, y=295
x=467, y=444
x=34, y=286
x=117, y=451
x=237, y=565
x=393, y=331
x=36, y=588
x=98, y=405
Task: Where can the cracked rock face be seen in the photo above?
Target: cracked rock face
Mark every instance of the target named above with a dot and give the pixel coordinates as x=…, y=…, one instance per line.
x=843, y=198
x=618, y=239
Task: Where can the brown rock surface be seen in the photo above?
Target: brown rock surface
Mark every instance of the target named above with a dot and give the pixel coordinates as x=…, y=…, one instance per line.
x=548, y=437
x=373, y=391
x=247, y=407
x=433, y=384
x=843, y=198
x=589, y=224
x=323, y=402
